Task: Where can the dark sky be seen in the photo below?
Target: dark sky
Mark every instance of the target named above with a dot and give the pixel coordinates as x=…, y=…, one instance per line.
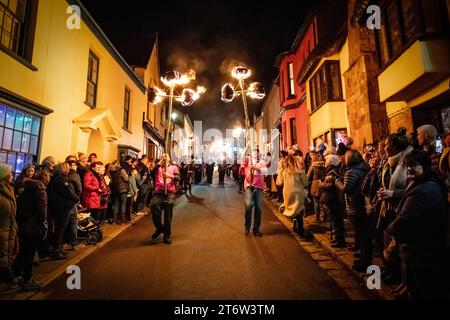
x=208, y=36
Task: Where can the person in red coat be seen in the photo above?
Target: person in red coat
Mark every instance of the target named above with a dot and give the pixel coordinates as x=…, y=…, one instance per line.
x=95, y=192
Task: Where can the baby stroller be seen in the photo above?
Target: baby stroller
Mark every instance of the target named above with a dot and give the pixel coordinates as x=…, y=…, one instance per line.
x=89, y=229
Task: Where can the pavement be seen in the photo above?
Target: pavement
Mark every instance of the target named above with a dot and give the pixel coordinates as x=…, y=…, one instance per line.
x=49, y=270
x=321, y=233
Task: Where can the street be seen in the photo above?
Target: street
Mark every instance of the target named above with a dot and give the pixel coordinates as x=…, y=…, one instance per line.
x=211, y=258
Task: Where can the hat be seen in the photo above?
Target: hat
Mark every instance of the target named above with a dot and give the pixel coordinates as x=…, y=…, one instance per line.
x=4, y=170
x=342, y=149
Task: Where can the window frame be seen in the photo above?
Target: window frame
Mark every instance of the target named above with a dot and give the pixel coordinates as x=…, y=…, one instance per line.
x=291, y=80
x=127, y=109
x=321, y=85
x=293, y=133
x=420, y=34
x=26, y=27
x=92, y=57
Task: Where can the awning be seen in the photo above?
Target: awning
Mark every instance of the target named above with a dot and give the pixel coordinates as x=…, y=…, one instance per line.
x=99, y=119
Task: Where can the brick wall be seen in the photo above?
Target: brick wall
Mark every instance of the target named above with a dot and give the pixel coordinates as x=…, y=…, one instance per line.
x=366, y=115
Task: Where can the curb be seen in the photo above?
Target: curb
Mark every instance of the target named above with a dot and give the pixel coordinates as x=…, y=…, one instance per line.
x=323, y=242
x=74, y=261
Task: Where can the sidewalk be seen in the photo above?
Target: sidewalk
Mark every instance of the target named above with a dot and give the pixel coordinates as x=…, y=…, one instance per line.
x=321, y=234
x=49, y=270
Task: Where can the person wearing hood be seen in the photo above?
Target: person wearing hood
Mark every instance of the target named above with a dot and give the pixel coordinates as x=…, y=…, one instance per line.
x=356, y=170
x=420, y=230
x=8, y=225
x=33, y=226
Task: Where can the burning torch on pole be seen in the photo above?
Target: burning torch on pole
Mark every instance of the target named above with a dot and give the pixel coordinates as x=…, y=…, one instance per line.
x=255, y=91
x=172, y=79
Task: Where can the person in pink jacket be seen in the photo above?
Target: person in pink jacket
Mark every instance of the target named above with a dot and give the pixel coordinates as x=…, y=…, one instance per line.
x=95, y=192
x=165, y=176
x=254, y=185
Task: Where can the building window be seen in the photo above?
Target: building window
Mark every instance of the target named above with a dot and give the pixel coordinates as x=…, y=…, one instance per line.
x=126, y=109
x=284, y=135
x=291, y=80
x=92, y=81
x=405, y=21
x=19, y=137
x=17, y=27
x=325, y=85
x=293, y=131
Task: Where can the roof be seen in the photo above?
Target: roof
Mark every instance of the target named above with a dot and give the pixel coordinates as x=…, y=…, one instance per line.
x=101, y=36
x=135, y=48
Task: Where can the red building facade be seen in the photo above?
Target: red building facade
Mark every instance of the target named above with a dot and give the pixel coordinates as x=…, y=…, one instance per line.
x=295, y=116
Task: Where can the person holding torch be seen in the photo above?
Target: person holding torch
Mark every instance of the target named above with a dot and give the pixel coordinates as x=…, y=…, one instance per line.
x=165, y=176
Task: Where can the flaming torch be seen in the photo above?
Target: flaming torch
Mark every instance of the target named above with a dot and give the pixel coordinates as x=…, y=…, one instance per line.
x=171, y=80
x=254, y=91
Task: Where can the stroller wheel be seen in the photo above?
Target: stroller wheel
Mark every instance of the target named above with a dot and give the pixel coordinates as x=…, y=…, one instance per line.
x=92, y=237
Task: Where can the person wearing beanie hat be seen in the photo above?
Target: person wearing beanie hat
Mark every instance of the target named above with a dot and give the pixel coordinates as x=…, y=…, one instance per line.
x=422, y=214
x=8, y=225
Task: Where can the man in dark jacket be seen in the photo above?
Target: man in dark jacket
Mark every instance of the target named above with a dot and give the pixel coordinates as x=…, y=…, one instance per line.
x=356, y=170
x=119, y=190
x=72, y=228
x=420, y=230
x=143, y=184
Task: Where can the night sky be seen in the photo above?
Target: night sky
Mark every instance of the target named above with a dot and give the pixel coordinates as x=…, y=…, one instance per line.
x=209, y=37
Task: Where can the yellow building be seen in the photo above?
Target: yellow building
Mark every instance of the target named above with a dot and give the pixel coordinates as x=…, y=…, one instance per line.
x=64, y=88
x=326, y=96
x=413, y=52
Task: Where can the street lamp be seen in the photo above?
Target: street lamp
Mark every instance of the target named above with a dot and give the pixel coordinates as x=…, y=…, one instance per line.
x=255, y=91
x=171, y=80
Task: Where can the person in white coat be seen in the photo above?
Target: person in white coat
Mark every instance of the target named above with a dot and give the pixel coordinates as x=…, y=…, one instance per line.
x=293, y=178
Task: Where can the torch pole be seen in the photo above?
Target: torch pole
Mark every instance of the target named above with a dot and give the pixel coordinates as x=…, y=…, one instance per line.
x=247, y=119
x=169, y=124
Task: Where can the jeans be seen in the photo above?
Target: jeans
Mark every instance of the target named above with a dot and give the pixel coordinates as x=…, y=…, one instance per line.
x=24, y=260
x=119, y=206
x=162, y=203
x=72, y=232
x=253, y=198
x=317, y=207
x=142, y=197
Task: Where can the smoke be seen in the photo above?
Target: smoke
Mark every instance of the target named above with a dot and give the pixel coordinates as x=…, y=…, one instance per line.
x=213, y=60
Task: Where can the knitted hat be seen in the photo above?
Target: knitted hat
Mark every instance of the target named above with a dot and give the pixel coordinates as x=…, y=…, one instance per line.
x=4, y=170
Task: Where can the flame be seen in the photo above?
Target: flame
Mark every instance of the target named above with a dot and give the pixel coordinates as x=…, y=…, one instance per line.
x=188, y=96
x=256, y=91
x=241, y=73
x=174, y=78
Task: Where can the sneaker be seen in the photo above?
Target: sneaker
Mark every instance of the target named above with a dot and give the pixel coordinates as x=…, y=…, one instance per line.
x=31, y=285
x=167, y=240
